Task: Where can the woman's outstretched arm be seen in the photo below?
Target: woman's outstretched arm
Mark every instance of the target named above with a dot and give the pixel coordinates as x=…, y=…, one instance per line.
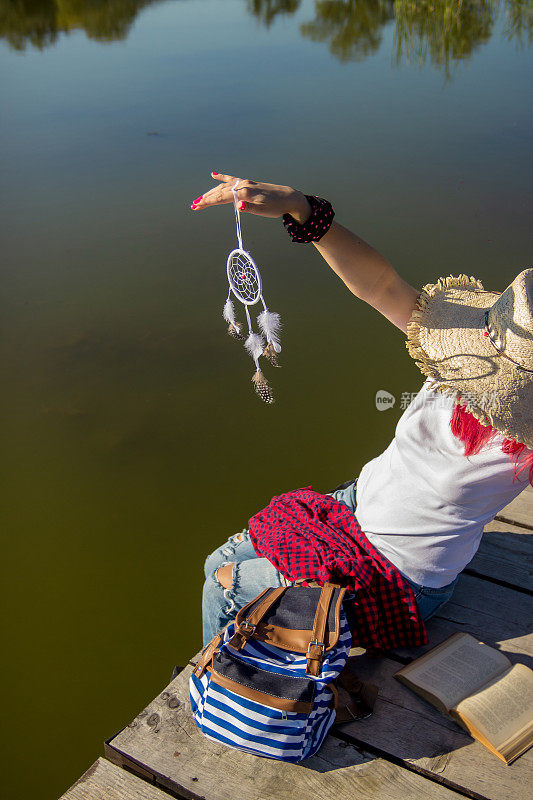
x=366, y=273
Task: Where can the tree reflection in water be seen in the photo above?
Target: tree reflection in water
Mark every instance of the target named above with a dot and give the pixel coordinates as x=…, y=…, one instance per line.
x=443, y=32
x=267, y=10
x=38, y=22
x=519, y=21
x=353, y=28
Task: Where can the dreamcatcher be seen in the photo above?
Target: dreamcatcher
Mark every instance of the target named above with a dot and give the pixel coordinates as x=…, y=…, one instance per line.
x=245, y=282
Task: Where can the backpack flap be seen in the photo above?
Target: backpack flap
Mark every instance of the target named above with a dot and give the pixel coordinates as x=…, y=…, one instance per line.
x=249, y=617
x=298, y=619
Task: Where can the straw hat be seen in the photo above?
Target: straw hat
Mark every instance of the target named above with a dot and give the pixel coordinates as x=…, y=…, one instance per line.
x=478, y=347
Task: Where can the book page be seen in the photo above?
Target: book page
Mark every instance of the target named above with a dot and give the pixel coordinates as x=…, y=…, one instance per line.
x=502, y=709
x=456, y=668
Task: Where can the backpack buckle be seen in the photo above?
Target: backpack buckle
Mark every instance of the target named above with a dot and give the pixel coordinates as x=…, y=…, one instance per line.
x=315, y=654
x=246, y=628
x=241, y=635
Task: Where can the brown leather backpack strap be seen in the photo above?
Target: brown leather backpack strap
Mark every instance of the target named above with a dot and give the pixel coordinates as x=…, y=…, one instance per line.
x=247, y=626
x=207, y=655
x=241, y=614
x=356, y=698
x=316, y=648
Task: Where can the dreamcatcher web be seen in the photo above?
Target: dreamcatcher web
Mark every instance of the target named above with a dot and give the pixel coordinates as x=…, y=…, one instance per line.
x=245, y=284
x=244, y=278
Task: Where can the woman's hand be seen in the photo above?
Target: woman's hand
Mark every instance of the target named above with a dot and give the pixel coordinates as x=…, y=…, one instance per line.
x=263, y=199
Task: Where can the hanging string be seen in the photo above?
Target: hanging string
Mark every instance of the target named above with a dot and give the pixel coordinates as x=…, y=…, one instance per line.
x=237, y=213
x=250, y=330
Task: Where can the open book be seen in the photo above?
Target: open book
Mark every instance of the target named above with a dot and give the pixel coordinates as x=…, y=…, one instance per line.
x=480, y=689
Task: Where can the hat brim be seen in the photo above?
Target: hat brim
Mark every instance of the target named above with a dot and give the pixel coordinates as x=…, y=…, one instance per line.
x=445, y=336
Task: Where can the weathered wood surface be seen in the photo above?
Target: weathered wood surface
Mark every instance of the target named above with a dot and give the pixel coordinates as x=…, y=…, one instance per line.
x=500, y=616
x=406, y=727
x=105, y=781
x=165, y=738
x=520, y=511
x=505, y=554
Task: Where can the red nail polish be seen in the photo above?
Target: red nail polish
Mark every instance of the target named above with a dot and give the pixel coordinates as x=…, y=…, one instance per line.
x=193, y=207
x=197, y=199
x=215, y=173
x=241, y=207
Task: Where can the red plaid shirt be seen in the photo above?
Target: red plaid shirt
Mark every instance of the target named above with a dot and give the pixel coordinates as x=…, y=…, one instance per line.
x=311, y=536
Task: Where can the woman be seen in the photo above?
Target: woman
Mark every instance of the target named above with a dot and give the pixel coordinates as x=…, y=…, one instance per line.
x=463, y=449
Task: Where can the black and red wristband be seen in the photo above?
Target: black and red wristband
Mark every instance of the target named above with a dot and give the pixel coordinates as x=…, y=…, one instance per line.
x=316, y=226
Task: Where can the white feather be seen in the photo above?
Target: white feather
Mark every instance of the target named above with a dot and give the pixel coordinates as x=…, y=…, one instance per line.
x=270, y=324
x=255, y=345
x=229, y=313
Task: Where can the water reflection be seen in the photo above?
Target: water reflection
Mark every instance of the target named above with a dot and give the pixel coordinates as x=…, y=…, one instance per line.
x=39, y=22
x=519, y=21
x=352, y=29
x=441, y=32
x=267, y=10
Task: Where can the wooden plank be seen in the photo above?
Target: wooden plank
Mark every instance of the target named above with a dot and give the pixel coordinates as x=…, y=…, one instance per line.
x=520, y=511
x=164, y=740
x=500, y=616
x=406, y=727
x=505, y=554
x=105, y=781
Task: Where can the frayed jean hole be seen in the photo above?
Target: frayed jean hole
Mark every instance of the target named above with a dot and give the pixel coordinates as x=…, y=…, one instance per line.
x=237, y=537
x=215, y=575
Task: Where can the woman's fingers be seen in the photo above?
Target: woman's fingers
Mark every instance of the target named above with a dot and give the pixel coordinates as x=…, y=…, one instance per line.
x=216, y=196
x=223, y=193
x=230, y=178
x=220, y=194
x=223, y=178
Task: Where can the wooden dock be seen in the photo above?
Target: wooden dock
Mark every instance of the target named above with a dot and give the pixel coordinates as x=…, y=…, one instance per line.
x=406, y=749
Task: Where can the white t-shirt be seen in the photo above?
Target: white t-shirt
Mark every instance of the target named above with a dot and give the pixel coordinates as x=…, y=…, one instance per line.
x=423, y=503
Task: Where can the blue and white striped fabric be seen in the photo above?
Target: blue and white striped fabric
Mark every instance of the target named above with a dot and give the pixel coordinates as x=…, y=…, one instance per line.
x=234, y=720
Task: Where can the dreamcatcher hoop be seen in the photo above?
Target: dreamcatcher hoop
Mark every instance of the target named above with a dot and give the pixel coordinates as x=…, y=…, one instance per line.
x=244, y=277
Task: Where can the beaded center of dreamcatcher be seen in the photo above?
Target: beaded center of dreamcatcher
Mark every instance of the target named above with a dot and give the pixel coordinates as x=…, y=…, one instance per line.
x=245, y=284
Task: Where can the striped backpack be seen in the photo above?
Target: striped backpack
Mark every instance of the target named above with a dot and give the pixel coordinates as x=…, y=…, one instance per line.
x=266, y=684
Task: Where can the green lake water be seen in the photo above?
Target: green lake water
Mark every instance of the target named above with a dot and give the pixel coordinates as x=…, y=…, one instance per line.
x=133, y=443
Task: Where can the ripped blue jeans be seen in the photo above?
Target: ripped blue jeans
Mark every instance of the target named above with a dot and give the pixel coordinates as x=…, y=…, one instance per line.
x=252, y=574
